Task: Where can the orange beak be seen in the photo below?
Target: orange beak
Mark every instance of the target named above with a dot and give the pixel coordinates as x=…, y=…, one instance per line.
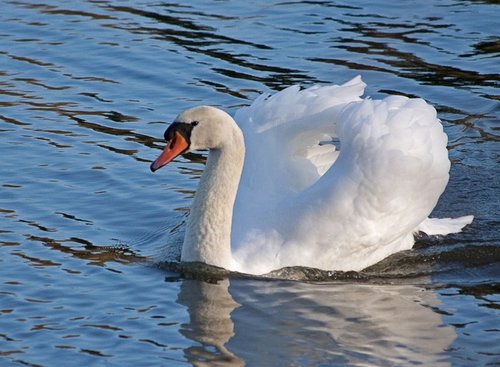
x=174, y=148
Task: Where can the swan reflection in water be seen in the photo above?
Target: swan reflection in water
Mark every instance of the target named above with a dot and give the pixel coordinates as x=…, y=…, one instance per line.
x=210, y=306
x=269, y=323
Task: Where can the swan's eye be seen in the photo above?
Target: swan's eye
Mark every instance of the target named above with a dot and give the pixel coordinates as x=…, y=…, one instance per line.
x=194, y=123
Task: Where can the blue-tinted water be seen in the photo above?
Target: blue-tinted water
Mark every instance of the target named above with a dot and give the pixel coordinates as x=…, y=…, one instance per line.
x=86, y=88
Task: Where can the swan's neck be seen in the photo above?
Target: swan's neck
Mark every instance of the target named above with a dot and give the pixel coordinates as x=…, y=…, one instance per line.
x=208, y=232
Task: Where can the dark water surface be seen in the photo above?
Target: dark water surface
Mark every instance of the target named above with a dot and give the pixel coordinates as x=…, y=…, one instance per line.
x=85, y=89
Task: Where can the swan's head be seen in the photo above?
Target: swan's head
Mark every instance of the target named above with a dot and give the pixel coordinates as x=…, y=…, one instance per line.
x=202, y=127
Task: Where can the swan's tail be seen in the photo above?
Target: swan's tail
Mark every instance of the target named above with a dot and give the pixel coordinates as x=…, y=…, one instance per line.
x=444, y=226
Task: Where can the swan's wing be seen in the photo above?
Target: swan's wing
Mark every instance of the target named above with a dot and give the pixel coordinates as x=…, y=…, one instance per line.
x=392, y=167
x=287, y=139
x=285, y=135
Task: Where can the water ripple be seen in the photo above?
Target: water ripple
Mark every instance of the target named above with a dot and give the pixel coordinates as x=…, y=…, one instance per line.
x=90, y=241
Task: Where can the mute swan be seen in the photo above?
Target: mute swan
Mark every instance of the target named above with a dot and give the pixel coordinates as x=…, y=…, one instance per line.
x=301, y=201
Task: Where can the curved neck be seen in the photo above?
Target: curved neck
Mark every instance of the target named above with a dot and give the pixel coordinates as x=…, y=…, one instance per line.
x=208, y=232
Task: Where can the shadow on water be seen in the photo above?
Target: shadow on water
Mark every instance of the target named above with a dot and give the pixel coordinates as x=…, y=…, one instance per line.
x=466, y=265
x=82, y=249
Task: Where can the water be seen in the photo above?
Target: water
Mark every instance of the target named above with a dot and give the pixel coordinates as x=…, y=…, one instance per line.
x=85, y=90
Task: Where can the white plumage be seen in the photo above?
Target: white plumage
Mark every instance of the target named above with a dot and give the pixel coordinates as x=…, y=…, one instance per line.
x=300, y=200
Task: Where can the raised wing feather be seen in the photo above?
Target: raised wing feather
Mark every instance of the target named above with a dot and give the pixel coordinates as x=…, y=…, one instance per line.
x=285, y=137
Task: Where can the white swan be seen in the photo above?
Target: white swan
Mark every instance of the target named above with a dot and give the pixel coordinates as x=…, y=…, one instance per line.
x=300, y=202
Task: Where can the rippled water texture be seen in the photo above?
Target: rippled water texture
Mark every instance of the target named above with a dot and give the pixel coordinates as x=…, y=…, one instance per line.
x=85, y=90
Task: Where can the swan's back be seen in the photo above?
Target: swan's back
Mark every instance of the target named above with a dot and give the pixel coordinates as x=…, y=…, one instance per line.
x=301, y=202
